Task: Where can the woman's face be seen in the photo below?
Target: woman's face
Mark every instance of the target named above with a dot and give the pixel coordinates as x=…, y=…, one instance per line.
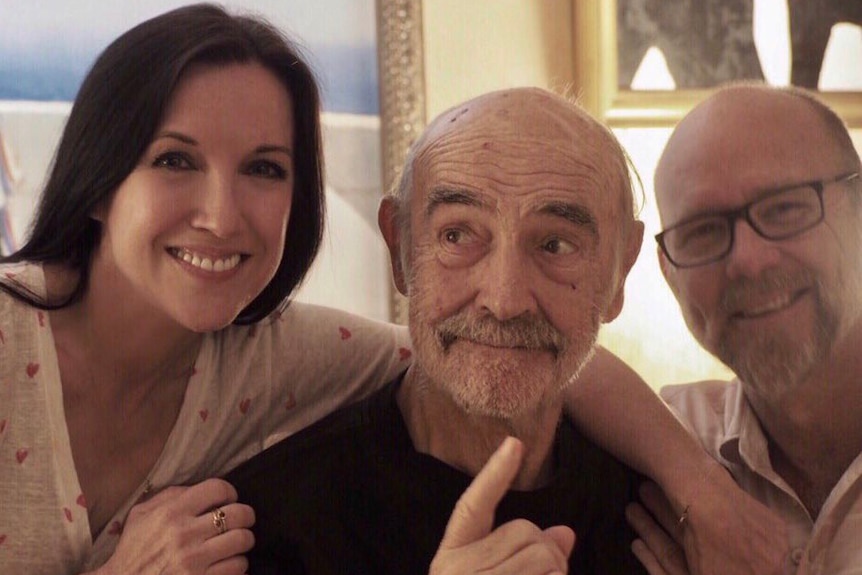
x=197, y=229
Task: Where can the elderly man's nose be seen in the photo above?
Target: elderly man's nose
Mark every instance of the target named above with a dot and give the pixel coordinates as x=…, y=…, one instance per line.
x=505, y=285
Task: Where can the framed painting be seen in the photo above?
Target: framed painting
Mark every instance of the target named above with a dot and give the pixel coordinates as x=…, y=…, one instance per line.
x=700, y=44
x=402, y=95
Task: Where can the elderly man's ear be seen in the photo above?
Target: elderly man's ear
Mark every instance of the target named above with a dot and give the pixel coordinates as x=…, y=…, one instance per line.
x=630, y=255
x=387, y=221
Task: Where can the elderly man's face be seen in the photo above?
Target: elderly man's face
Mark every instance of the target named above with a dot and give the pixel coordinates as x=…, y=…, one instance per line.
x=771, y=310
x=515, y=252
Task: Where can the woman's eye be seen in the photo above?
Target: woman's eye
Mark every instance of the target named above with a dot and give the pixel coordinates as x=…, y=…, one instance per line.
x=265, y=169
x=173, y=161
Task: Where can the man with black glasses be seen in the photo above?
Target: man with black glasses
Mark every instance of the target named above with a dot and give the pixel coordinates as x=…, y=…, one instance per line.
x=761, y=202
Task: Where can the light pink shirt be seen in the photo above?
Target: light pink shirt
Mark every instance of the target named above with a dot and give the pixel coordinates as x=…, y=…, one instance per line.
x=251, y=386
x=721, y=417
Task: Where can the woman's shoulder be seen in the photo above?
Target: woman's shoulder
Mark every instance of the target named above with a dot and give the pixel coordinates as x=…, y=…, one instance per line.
x=305, y=346
x=309, y=324
x=23, y=278
x=22, y=325
x=42, y=282
x=27, y=273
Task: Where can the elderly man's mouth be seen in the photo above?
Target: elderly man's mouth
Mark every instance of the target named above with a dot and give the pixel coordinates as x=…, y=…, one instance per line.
x=448, y=341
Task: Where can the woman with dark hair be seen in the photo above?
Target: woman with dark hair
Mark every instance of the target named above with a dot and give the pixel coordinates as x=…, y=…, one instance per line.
x=145, y=341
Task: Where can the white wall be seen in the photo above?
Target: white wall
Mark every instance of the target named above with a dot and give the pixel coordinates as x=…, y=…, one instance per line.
x=31, y=131
x=352, y=270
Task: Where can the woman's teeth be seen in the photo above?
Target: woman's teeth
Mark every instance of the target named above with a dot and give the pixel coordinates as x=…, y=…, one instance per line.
x=207, y=263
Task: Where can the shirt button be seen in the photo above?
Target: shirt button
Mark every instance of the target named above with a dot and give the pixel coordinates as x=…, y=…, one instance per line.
x=797, y=555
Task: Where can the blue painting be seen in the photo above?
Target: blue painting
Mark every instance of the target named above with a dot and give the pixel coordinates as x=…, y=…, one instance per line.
x=46, y=47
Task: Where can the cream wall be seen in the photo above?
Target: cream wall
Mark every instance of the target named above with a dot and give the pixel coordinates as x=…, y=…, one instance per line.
x=480, y=45
x=475, y=46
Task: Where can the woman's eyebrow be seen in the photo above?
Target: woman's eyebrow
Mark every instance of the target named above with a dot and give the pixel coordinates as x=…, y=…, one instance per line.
x=177, y=136
x=262, y=149
x=274, y=148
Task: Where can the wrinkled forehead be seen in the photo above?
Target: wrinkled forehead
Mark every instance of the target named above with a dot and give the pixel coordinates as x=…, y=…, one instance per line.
x=517, y=130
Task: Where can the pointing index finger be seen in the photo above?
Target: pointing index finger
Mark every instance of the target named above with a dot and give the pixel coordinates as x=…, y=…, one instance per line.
x=473, y=516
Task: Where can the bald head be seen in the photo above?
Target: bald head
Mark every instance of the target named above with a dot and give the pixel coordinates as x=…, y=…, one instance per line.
x=528, y=114
x=748, y=136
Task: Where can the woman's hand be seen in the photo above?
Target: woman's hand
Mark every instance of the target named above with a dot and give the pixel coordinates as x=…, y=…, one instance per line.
x=193, y=530
x=725, y=531
x=659, y=548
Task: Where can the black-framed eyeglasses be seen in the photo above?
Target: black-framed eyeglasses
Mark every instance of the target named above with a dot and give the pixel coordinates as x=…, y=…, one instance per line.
x=776, y=215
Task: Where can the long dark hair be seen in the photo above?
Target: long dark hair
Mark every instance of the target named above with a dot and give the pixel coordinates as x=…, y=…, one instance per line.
x=114, y=118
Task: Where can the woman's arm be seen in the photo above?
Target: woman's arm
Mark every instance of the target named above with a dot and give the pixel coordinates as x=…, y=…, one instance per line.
x=614, y=407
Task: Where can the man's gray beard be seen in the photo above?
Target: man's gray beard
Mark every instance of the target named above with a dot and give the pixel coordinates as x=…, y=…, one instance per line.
x=531, y=332
x=772, y=364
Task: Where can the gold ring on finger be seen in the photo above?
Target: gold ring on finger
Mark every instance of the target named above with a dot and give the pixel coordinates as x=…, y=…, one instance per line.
x=219, y=521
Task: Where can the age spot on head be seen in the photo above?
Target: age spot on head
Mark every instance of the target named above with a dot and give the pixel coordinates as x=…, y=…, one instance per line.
x=458, y=114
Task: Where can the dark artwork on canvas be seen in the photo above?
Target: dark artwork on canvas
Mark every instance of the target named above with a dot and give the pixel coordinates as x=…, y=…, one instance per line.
x=811, y=22
x=707, y=42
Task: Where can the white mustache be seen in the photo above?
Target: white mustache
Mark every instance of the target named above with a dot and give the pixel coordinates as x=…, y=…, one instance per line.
x=528, y=332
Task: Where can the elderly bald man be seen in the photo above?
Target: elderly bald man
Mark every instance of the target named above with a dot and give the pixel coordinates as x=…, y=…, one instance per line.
x=511, y=234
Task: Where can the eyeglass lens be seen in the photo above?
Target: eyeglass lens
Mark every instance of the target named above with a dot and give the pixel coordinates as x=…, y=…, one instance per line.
x=776, y=216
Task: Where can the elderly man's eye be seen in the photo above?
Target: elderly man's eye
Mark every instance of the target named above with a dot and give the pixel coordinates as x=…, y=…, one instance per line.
x=453, y=236
x=558, y=246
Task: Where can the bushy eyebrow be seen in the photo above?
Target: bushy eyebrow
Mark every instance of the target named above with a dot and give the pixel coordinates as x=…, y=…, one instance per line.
x=447, y=196
x=576, y=214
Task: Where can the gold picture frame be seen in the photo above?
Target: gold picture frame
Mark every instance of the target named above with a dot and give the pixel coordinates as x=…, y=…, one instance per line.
x=595, y=62
x=401, y=77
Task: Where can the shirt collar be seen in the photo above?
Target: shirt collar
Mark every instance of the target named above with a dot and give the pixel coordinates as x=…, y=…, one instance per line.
x=744, y=442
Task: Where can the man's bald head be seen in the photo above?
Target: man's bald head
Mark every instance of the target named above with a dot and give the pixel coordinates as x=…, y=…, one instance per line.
x=740, y=127
x=528, y=112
